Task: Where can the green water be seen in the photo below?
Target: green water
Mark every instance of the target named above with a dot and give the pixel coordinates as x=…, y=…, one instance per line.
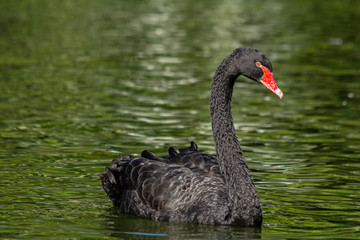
x=82, y=81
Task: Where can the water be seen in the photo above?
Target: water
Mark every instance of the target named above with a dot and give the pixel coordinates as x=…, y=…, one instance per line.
x=82, y=81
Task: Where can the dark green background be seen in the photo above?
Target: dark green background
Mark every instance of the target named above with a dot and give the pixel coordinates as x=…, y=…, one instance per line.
x=82, y=81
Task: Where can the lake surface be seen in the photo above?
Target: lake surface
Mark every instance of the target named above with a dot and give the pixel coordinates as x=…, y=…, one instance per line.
x=83, y=81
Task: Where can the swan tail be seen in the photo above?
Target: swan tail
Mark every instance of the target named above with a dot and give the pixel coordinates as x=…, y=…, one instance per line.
x=112, y=178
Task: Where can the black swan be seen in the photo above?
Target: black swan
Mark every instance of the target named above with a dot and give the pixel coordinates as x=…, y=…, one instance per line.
x=190, y=186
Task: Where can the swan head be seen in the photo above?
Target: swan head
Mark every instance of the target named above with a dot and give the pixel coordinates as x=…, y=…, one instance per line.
x=254, y=65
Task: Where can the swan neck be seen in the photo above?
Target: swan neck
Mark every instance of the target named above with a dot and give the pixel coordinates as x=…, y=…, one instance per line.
x=225, y=139
x=230, y=157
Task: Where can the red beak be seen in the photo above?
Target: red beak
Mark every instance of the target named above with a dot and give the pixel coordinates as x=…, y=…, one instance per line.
x=268, y=81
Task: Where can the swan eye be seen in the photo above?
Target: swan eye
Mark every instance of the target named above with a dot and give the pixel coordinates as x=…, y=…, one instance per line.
x=258, y=64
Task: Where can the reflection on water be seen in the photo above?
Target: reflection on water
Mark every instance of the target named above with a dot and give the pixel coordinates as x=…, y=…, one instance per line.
x=84, y=81
x=121, y=225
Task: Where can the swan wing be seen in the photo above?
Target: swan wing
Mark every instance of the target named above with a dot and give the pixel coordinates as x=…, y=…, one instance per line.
x=156, y=187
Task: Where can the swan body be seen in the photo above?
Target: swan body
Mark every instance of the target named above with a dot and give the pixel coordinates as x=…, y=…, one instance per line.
x=190, y=186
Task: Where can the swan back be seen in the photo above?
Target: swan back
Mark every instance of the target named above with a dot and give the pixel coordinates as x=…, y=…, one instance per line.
x=185, y=186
